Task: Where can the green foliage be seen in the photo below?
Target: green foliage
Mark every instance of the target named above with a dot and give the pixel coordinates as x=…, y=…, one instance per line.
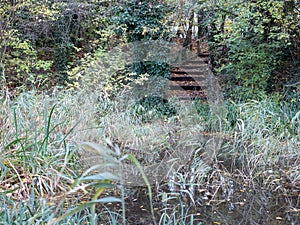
x=142, y=20
x=20, y=65
x=249, y=41
x=100, y=181
x=153, y=69
x=267, y=117
x=41, y=41
x=154, y=107
x=202, y=109
x=31, y=212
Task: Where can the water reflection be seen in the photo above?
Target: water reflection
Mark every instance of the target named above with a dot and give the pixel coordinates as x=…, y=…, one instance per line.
x=235, y=202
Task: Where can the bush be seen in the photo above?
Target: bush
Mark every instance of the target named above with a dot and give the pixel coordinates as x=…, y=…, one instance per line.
x=249, y=41
x=142, y=20
x=154, y=107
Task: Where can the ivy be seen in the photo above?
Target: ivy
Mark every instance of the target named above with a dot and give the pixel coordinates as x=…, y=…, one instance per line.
x=142, y=20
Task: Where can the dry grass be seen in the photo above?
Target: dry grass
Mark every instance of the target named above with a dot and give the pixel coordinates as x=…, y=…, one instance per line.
x=40, y=152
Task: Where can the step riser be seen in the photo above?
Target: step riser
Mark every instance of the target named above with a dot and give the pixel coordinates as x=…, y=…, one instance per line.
x=187, y=88
x=197, y=66
x=187, y=78
x=191, y=98
x=193, y=65
x=182, y=71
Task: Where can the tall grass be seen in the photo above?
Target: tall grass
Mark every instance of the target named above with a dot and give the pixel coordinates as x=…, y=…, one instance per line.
x=39, y=153
x=266, y=130
x=42, y=163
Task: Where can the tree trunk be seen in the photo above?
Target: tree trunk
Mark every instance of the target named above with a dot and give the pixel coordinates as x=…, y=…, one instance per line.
x=188, y=39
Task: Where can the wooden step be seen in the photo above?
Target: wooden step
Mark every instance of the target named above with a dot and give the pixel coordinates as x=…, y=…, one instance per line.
x=178, y=71
x=203, y=54
x=198, y=66
x=194, y=61
x=187, y=87
x=187, y=81
x=190, y=98
x=197, y=73
x=187, y=78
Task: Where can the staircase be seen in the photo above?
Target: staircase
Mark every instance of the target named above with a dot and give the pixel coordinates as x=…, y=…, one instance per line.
x=188, y=81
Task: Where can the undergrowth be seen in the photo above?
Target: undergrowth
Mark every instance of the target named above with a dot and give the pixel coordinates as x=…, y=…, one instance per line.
x=44, y=177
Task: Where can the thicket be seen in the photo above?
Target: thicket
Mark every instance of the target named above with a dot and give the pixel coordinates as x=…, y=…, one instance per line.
x=41, y=41
x=254, y=45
